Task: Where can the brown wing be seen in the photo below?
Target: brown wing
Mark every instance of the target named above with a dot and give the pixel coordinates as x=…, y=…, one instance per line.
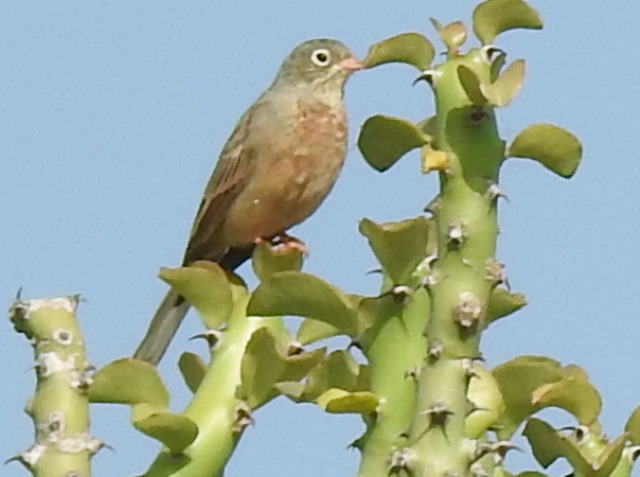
x=228, y=179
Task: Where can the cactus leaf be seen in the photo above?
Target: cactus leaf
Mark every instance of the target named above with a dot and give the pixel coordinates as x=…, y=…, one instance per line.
x=506, y=86
x=206, y=286
x=410, y=48
x=575, y=395
x=518, y=378
x=311, y=330
x=555, y=148
x=398, y=246
x=268, y=259
x=472, y=86
x=340, y=401
x=128, y=381
x=492, y=17
x=503, y=303
x=301, y=294
x=192, y=369
x=261, y=368
x=384, y=140
x=175, y=431
x=632, y=427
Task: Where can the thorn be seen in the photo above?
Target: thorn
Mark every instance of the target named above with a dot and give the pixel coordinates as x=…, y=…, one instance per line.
x=374, y=271
x=433, y=207
x=468, y=311
x=295, y=348
x=244, y=417
x=467, y=367
x=494, y=192
x=489, y=51
x=212, y=337
x=427, y=75
x=399, y=293
x=456, y=234
x=632, y=453
x=499, y=448
x=438, y=414
x=476, y=116
x=413, y=373
x=477, y=470
x=402, y=460
x=434, y=351
x=496, y=273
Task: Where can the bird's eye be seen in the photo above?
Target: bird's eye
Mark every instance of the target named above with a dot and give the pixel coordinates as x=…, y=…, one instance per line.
x=321, y=57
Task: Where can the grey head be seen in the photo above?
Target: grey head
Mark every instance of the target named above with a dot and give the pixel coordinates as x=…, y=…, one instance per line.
x=323, y=64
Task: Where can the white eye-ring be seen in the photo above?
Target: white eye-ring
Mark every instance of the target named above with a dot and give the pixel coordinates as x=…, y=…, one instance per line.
x=321, y=57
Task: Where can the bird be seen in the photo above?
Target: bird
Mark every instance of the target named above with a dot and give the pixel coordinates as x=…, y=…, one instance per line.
x=276, y=168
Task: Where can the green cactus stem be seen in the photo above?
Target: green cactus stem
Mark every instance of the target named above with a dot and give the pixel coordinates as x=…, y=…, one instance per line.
x=462, y=282
x=59, y=407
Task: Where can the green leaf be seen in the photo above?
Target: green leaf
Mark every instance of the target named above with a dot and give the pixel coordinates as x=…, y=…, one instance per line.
x=547, y=445
x=496, y=66
x=311, y=330
x=471, y=85
x=385, y=139
x=555, y=148
x=398, y=246
x=575, y=395
x=633, y=426
x=128, y=381
x=175, y=431
x=337, y=370
x=410, y=48
x=301, y=294
x=518, y=379
x=492, y=17
x=192, y=369
x=452, y=35
x=506, y=86
x=299, y=365
x=262, y=367
x=206, y=287
x=267, y=260
x=340, y=401
x=292, y=390
x=484, y=394
x=544, y=441
x=503, y=303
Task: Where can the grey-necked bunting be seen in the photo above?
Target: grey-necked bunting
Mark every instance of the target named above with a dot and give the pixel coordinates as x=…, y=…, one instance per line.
x=276, y=168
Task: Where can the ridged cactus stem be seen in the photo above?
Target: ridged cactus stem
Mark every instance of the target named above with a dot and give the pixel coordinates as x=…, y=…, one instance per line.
x=463, y=275
x=394, y=357
x=220, y=414
x=60, y=407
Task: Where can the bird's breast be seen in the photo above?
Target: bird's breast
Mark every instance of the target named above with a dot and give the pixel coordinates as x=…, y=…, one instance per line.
x=295, y=170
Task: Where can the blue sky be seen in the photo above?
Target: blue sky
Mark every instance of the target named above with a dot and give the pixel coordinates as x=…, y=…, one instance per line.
x=111, y=117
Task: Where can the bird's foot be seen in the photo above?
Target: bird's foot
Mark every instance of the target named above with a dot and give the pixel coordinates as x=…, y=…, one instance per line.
x=284, y=242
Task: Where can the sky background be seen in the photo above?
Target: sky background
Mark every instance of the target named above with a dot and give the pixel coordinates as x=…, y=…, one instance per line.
x=112, y=114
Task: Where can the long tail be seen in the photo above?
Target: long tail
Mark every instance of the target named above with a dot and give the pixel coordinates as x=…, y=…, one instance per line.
x=162, y=328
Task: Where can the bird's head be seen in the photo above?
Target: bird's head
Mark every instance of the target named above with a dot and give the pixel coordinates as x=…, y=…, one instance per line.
x=321, y=63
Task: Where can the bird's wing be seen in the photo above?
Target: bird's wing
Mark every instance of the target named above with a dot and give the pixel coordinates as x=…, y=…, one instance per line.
x=233, y=170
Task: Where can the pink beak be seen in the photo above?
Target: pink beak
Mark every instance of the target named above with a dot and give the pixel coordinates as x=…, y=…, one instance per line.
x=351, y=64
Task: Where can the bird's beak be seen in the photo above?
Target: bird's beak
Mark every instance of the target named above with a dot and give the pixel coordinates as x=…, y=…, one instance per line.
x=351, y=64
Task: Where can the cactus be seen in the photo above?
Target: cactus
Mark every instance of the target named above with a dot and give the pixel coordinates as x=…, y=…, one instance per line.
x=59, y=408
x=429, y=405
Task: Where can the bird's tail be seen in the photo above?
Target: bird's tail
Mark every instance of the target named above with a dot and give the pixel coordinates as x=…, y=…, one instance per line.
x=162, y=328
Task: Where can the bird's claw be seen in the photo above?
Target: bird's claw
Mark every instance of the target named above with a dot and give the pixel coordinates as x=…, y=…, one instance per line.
x=284, y=243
